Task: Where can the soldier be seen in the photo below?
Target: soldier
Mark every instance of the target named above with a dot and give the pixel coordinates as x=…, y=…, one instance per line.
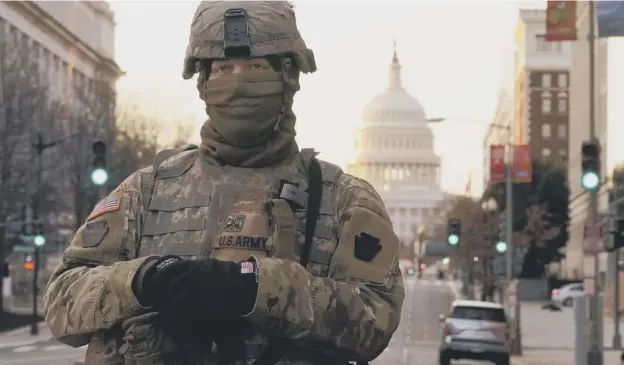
x=213, y=244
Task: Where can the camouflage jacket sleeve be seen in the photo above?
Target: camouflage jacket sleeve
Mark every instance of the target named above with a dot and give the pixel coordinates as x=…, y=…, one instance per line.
x=91, y=289
x=357, y=308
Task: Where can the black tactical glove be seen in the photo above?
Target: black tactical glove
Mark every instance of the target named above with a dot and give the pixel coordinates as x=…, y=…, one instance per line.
x=195, y=290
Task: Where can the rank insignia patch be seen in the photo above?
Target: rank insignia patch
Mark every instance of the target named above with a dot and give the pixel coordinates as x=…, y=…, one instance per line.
x=234, y=223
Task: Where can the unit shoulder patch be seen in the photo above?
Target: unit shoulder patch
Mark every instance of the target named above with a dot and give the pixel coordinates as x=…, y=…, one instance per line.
x=109, y=204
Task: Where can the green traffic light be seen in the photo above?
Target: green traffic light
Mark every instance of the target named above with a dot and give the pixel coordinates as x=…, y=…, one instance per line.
x=501, y=246
x=99, y=176
x=453, y=239
x=590, y=180
x=39, y=240
x=410, y=271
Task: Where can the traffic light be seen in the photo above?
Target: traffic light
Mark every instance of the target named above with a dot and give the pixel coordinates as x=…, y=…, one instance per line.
x=618, y=234
x=501, y=244
x=99, y=174
x=39, y=239
x=411, y=271
x=590, y=166
x=29, y=263
x=453, y=231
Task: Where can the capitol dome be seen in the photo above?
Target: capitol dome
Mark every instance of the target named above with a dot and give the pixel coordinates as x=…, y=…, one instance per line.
x=394, y=152
x=395, y=105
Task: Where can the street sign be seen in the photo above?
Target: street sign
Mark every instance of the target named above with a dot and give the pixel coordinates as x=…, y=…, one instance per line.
x=593, y=240
x=23, y=249
x=436, y=249
x=588, y=286
x=27, y=238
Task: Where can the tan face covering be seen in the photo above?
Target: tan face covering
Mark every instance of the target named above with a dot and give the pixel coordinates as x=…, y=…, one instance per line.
x=249, y=125
x=245, y=109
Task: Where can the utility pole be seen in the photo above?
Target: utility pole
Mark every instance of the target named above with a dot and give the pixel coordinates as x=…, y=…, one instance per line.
x=615, y=257
x=509, y=213
x=594, y=356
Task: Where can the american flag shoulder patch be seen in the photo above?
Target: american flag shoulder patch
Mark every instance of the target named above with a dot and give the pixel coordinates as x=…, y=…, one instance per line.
x=247, y=267
x=109, y=204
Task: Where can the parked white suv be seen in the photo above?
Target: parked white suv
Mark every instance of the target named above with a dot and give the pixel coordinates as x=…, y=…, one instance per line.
x=475, y=330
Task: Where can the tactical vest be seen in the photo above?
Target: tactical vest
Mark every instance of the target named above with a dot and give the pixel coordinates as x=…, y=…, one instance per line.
x=192, y=204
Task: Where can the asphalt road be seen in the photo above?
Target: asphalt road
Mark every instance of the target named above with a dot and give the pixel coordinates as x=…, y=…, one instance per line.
x=415, y=342
x=418, y=337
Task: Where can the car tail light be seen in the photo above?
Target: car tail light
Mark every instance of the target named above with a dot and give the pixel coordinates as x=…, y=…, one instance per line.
x=556, y=292
x=447, y=330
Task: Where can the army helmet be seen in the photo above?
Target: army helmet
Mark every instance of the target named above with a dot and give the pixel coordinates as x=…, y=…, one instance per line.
x=234, y=29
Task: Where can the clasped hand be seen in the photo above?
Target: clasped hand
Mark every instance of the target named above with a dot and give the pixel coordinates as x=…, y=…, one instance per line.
x=193, y=291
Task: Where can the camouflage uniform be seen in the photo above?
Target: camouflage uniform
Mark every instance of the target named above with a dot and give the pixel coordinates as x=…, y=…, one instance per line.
x=341, y=306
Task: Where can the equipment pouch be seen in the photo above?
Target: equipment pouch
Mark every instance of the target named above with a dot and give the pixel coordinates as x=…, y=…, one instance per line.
x=145, y=343
x=283, y=227
x=245, y=231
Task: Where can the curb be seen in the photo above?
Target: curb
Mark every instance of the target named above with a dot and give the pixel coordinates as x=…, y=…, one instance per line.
x=517, y=362
x=455, y=291
x=5, y=345
x=23, y=330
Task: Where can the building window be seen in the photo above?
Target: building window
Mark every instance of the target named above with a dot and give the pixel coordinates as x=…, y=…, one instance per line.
x=546, y=132
x=546, y=106
x=545, y=152
x=562, y=105
x=541, y=44
x=563, y=154
x=563, y=80
x=546, y=80
x=562, y=131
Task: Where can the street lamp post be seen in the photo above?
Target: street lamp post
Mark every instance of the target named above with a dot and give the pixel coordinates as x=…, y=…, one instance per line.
x=39, y=146
x=594, y=355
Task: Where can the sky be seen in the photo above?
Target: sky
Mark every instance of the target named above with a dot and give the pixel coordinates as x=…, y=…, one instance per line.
x=453, y=54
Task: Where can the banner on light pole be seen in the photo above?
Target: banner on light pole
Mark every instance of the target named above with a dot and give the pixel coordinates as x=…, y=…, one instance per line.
x=521, y=167
x=561, y=21
x=497, y=163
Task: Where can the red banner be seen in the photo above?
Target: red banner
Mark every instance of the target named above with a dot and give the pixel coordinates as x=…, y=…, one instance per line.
x=497, y=163
x=521, y=168
x=561, y=21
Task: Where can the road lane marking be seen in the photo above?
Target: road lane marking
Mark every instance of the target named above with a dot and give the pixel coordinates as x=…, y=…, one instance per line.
x=24, y=348
x=57, y=347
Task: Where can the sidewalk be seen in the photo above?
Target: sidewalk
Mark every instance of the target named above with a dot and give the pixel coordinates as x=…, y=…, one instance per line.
x=548, y=337
x=22, y=336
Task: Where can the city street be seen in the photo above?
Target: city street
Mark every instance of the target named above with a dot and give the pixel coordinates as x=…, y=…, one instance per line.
x=418, y=337
x=415, y=342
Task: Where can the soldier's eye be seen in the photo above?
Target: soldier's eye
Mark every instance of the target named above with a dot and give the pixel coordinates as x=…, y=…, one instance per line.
x=222, y=69
x=259, y=66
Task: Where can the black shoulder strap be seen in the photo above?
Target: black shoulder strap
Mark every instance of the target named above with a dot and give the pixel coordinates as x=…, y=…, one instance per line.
x=277, y=347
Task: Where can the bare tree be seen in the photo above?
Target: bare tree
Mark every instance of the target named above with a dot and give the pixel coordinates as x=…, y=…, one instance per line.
x=23, y=106
x=130, y=136
x=539, y=228
x=84, y=116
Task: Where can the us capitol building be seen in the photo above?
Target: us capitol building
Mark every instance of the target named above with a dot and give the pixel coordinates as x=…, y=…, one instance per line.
x=394, y=152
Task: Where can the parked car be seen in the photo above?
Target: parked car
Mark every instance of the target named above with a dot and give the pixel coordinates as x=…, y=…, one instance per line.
x=475, y=330
x=566, y=294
